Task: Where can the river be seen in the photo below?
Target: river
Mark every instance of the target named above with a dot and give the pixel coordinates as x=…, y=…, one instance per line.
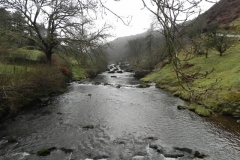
x=109, y=117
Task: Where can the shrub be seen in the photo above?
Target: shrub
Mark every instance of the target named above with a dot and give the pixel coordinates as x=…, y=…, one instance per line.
x=25, y=87
x=64, y=70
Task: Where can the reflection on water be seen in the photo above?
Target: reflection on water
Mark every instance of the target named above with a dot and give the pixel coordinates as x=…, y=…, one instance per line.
x=125, y=123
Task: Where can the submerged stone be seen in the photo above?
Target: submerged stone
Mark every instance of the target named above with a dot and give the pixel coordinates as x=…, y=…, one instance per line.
x=43, y=152
x=100, y=157
x=12, y=139
x=66, y=150
x=188, y=150
x=197, y=154
x=152, y=138
x=88, y=127
x=143, y=85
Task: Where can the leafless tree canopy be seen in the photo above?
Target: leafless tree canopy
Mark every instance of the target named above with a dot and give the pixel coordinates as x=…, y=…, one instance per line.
x=54, y=23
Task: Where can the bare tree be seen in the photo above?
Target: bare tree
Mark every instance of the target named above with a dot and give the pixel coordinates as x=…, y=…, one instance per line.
x=136, y=48
x=171, y=17
x=219, y=41
x=54, y=23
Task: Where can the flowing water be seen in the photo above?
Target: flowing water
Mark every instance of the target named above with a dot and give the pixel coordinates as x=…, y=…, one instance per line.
x=109, y=117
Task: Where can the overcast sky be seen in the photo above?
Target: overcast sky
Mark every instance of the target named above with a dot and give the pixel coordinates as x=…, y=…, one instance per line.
x=141, y=18
x=133, y=9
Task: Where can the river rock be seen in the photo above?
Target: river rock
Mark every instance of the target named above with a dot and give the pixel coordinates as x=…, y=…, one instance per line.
x=119, y=71
x=96, y=83
x=98, y=157
x=173, y=155
x=152, y=138
x=181, y=107
x=111, y=71
x=12, y=139
x=65, y=150
x=88, y=127
x=118, y=86
x=197, y=154
x=143, y=85
x=238, y=121
x=157, y=147
x=183, y=149
x=43, y=152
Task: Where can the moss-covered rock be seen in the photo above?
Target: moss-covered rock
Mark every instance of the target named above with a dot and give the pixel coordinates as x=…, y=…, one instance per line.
x=227, y=111
x=181, y=107
x=192, y=107
x=201, y=111
x=43, y=152
x=143, y=85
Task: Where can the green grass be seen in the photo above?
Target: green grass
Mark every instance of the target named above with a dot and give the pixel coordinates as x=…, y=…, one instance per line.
x=10, y=68
x=226, y=72
x=28, y=53
x=78, y=72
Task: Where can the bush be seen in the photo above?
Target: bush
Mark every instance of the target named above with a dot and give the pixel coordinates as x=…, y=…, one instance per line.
x=25, y=87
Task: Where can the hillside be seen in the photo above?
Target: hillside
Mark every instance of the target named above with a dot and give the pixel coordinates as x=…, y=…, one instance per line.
x=224, y=13
x=118, y=51
x=218, y=92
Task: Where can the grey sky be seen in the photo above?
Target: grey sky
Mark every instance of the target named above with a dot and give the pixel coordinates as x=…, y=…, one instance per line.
x=141, y=18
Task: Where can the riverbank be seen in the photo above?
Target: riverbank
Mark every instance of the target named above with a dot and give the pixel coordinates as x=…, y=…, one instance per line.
x=25, y=86
x=217, y=93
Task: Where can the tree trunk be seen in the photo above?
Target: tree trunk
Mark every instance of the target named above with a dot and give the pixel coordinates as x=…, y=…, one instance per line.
x=49, y=57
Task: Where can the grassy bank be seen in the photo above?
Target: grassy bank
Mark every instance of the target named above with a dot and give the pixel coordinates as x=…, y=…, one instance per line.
x=224, y=95
x=25, y=79
x=22, y=86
